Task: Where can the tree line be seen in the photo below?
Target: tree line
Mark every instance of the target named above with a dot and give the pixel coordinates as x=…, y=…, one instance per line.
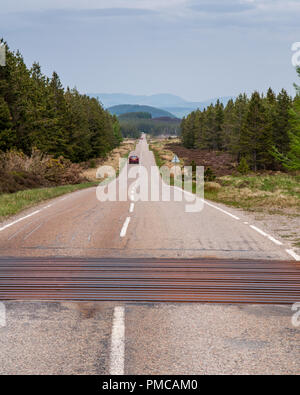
x=262, y=132
x=37, y=112
x=155, y=127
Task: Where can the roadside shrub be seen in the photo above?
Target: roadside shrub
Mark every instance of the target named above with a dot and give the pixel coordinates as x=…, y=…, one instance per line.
x=212, y=187
x=209, y=175
x=19, y=171
x=93, y=164
x=243, y=167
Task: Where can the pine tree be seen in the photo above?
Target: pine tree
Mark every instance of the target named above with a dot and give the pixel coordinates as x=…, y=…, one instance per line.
x=17, y=91
x=281, y=125
x=210, y=128
x=117, y=131
x=254, y=137
x=293, y=157
x=200, y=137
x=219, y=120
x=291, y=161
x=240, y=111
x=268, y=132
x=36, y=111
x=228, y=135
x=38, y=97
x=7, y=136
x=187, y=131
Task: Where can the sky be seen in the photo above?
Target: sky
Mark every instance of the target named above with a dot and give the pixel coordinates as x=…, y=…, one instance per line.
x=196, y=49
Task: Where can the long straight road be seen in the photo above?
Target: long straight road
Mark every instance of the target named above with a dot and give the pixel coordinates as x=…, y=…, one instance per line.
x=80, y=225
x=43, y=337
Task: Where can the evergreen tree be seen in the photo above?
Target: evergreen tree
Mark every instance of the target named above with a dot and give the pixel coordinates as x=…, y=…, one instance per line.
x=281, y=125
x=36, y=111
x=254, y=139
x=188, y=136
x=210, y=128
x=200, y=137
x=257, y=130
x=7, y=136
x=219, y=120
x=229, y=126
x=240, y=111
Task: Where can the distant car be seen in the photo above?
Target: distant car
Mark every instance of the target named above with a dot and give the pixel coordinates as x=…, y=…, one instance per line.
x=134, y=159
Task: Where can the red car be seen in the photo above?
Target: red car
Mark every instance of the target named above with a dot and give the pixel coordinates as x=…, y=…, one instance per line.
x=134, y=159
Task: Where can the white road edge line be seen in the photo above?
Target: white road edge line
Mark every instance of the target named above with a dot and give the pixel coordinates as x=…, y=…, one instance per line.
x=124, y=228
x=223, y=211
x=117, y=353
x=259, y=230
x=275, y=241
x=294, y=255
x=266, y=235
x=26, y=216
x=131, y=207
x=19, y=220
x=291, y=252
x=209, y=204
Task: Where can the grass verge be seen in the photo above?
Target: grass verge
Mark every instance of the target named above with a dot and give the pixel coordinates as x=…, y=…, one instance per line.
x=13, y=203
x=273, y=193
x=277, y=193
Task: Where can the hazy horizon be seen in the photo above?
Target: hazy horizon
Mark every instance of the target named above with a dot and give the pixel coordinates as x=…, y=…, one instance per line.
x=197, y=50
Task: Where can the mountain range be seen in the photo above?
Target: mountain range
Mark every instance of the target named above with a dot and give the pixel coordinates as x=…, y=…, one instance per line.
x=176, y=105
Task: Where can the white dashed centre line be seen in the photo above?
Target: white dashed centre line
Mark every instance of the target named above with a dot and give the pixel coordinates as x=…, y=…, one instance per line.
x=131, y=208
x=118, y=342
x=124, y=228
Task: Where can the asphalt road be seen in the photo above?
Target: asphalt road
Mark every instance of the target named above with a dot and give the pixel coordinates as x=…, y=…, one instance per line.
x=76, y=338
x=135, y=338
x=80, y=225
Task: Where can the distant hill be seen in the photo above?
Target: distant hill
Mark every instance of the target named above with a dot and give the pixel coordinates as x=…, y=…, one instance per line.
x=170, y=103
x=182, y=112
x=135, y=115
x=135, y=108
x=167, y=119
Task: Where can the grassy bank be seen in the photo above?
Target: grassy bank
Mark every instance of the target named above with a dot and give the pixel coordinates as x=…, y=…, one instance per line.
x=274, y=193
x=13, y=203
x=277, y=193
x=159, y=161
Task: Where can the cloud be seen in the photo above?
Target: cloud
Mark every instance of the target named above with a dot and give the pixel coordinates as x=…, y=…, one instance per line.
x=31, y=19
x=257, y=14
x=104, y=12
x=86, y=13
x=38, y=5
x=162, y=14
x=224, y=6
